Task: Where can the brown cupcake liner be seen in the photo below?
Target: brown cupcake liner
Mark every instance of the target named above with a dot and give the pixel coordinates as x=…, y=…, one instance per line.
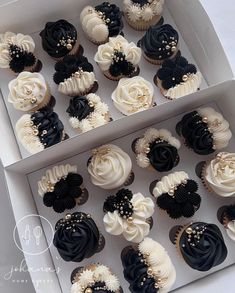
x=159, y=62
x=84, y=197
x=175, y=235
x=141, y=25
x=110, y=77
x=37, y=67
x=130, y=179
x=77, y=50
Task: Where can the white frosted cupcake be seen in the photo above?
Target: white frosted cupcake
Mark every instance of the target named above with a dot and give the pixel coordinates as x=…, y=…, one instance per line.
x=218, y=174
x=141, y=14
x=87, y=112
x=101, y=22
x=110, y=167
x=129, y=215
x=133, y=95
x=29, y=92
x=118, y=58
x=17, y=53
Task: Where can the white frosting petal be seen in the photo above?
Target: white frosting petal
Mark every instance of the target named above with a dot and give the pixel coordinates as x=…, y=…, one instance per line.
x=143, y=206
x=185, y=88
x=76, y=288
x=77, y=84
x=136, y=231
x=27, y=91
x=133, y=95
x=103, y=57
x=220, y=174
x=231, y=230
x=113, y=223
x=132, y=53
x=168, y=182
x=110, y=167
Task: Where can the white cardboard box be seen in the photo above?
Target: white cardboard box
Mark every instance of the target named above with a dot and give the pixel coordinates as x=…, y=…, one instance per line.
x=201, y=45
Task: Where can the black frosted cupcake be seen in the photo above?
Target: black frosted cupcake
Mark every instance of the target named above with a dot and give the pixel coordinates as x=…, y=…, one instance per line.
x=159, y=43
x=40, y=130
x=177, y=195
x=101, y=22
x=17, y=53
x=177, y=78
x=204, y=131
x=200, y=244
x=62, y=188
x=60, y=38
x=75, y=76
x=77, y=237
x=157, y=150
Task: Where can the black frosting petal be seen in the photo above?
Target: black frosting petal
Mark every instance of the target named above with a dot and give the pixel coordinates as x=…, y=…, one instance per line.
x=49, y=198
x=74, y=179
x=206, y=252
x=120, y=66
x=79, y=107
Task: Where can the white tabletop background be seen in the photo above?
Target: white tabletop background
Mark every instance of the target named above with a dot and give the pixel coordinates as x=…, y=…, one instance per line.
x=222, y=14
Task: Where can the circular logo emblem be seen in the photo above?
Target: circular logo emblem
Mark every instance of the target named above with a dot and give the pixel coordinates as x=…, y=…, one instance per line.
x=31, y=234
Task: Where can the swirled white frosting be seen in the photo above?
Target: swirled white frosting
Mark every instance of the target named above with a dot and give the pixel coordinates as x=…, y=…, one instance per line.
x=97, y=118
x=25, y=134
x=138, y=228
x=24, y=42
x=184, y=88
x=159, y=261
x=135, y=12
x=77, y=84
x=218, y=126
x=133, y=95
x=150, y=135
x=93, y=25
x=169, y=182
x=27, y=91
x=109, y=167
x=231, y=230
x=219, y=174
x=104, y=55
x=52, y=176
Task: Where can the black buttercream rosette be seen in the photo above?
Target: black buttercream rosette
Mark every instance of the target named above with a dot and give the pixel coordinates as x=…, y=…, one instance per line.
x=77, y=237
x=202, y=246
x=80, y=108
x=20, y=59
x=196, y=133
x=120, y=66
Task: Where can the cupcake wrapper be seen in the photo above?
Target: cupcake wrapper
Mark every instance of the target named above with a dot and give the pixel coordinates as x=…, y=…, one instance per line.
x=117, y=78
x=101, y=243
x=203, y=173
x=175, y=234
x=160, y=62
x=77, y=50
x=130, y=179
x=141, y=25
x=84, y=197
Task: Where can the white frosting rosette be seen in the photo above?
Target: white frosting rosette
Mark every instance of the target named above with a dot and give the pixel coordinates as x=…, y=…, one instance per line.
x=219, y=174
x=28, y=91
x=109, y=167
x=133, y=95
x=133, y=228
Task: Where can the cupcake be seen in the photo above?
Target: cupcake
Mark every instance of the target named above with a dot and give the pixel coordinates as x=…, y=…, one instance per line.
x=59, y=39
x=141, y=14
x=177, y=78
x=17, y=53
x=200, y=244
x=77, y=237
x=118, y=58
x=62, y=188
x=110, y=167
x=94, y=278
x=148, y=267
x=87, y=112
x=204, y=131
x=159, y=43
x=101, y=22
x=40, y=130
x=218, y=174
x=29, y=92
x=129, y=215
x=228, y=220
x=157, y=150
x=177, y=195
x=133, y=95
x=75, y=76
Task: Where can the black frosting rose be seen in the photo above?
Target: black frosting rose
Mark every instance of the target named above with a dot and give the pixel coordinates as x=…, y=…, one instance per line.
x=174, y=72
x=113, y=17
x=135, y=272
x=76, y=238
x=160, y=42
x=65, y=193
x=58, y=38
x=120, y=66
x=50, y=128
x=163, y=156
x=69, y=65
x=20, y=59
x=196, y=133
x=202, y=246
x=184, y=203
x=79, y=107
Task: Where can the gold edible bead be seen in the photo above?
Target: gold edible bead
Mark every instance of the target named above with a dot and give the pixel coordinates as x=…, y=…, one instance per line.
x=88, y=290
x=33, y=100
x=149, y=271
x=185, y=77
x=173, y=49
x=205, y=119
x=68, y=216
x=189, y=230
x=130, y=220
x=69, y=47
x=28, y=92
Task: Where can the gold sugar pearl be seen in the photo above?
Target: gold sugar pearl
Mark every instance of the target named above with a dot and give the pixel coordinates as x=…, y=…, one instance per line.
x=185, y=77
x=69, y=47
x=189, y=230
